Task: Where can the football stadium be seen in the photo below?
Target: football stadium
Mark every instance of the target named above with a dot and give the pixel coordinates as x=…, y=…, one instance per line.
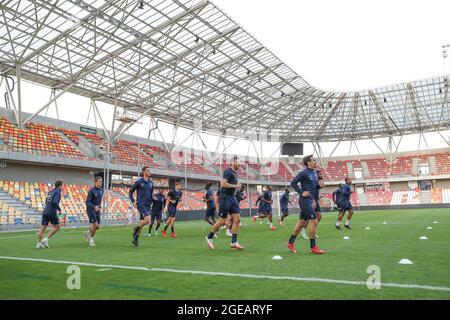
x=206, y=167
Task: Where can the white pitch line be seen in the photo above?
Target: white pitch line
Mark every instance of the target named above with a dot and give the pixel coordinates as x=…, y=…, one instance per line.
x=236, y=275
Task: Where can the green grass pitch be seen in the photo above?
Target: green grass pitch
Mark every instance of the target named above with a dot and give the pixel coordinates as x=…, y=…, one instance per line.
x=383, y=245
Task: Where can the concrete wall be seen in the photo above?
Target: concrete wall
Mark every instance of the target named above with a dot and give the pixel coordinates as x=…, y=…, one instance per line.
x=441, y=183
x=328, y=189
x=403, y=185
x=199, y=185
x=46, y=174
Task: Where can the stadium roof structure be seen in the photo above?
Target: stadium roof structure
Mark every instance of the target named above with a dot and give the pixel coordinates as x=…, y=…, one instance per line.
x=186, y=60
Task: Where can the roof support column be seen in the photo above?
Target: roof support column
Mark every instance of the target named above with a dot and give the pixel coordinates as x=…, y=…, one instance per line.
x=52, y=95
x=10, y=99
x=19, y=96
x=107, y=133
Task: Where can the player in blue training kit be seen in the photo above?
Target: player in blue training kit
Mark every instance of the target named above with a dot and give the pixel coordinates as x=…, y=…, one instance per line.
x=266, y=207
x=260, y=205
x=143, y=201
x=93, y=208
x=308, y=185
x=218, y=210
x=228, y=205
x=284, y=206
x=316, y=205
x=158, y=204
x=50, y=215
x=336, y=195
x=210, y=213
x=345, y=204
x=240, y=196
x=217, y=199
x=173, y=197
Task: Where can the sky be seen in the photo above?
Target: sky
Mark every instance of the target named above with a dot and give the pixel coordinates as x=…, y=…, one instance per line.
x=349, y=44
x=344, y=45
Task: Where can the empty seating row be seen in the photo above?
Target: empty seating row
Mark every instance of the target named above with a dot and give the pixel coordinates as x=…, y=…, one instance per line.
x=36, y=139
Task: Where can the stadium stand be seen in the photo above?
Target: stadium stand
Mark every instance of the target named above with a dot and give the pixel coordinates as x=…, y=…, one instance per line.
x=122, y=151
x=36, y=139
x=405, y=197
x=335, y=170
x=192, y=163
x=438, y=195
x=284, y=172
x=378, y=197
x=243, y=173
x=446, y=195
x=40, y=139
x=378, y=168
x=161, y=152
x=33, y=195
x=442, y=163
x=22, y=202
x=402, y=166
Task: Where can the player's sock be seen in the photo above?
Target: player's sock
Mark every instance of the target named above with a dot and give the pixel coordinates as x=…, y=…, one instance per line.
x=271, y=224
x=210, y=235
x=136, y=232
x=172, y=229
x=338, y=223
x=292, y=239
x=304, y=233
x=347, y=222
x=150, y=228
x=165, y=227
x=234, y=238
x=312, y=242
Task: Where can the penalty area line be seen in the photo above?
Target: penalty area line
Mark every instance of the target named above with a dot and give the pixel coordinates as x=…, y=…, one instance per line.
x=229, y=274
